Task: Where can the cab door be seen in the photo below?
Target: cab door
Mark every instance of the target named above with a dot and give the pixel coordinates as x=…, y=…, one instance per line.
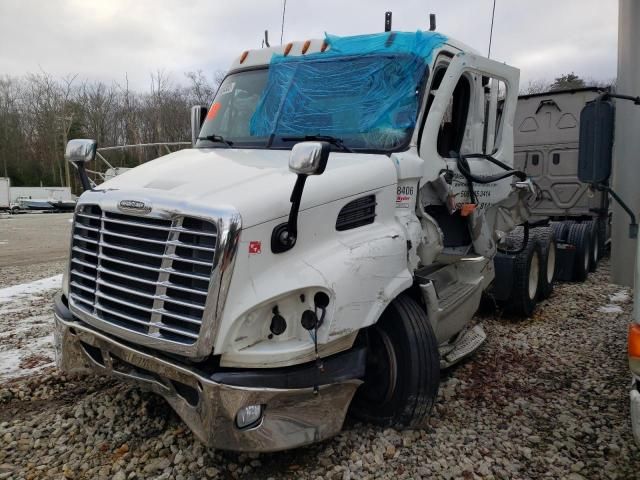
x=471, y=111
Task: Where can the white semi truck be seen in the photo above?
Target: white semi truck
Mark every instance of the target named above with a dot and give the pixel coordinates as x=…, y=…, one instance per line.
x=321, y=248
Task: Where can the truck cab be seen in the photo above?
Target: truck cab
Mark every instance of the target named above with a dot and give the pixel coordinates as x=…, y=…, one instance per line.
x=321, y=248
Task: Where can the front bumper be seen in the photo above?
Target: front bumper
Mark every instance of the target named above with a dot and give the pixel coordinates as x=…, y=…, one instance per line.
x=635, y=409
x=291, y=416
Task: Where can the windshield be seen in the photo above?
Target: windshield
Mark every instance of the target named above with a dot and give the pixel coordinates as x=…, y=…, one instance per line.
x=369, y=102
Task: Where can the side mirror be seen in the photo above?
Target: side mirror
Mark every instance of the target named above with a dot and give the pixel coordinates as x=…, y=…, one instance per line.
x=198, y=116
x=596, y=142
x=78, y=152
x=309, y=158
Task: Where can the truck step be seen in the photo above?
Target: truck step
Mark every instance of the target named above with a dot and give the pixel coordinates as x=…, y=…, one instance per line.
x=455, y=294
x=464, y=346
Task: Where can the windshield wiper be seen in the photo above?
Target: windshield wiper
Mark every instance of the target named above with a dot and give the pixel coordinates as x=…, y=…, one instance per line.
x=217, y=139
x=322, y=138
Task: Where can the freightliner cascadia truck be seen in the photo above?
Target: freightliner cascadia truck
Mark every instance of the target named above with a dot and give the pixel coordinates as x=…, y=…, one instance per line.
x=320, y=250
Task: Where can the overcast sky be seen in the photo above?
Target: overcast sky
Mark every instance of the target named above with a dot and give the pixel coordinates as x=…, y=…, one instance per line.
x=104, y=39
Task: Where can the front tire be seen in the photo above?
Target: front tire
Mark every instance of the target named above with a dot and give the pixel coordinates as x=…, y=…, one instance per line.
x=403, y=368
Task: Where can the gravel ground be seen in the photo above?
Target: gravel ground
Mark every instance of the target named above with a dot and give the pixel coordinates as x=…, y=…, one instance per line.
x=545, y=397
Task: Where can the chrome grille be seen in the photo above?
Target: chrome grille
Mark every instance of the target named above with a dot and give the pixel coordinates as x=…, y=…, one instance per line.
x=146, y=275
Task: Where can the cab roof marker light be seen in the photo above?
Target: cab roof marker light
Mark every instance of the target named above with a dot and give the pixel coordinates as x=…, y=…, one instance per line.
x=324, y=46
x=305, y=47
x=244, y=56
x=287, y=49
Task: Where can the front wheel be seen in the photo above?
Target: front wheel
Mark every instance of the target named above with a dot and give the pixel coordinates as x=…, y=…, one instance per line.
x=403, y=368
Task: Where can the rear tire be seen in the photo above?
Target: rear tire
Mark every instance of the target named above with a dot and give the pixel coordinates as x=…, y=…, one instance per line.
x=560, y=231
x=526, y=279
x=580, y=237
x=602, y=224
x=403, y=368
x=547, y=242
x=595, y=245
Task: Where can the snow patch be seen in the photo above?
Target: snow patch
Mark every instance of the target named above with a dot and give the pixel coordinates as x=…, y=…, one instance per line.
x=28, y=358
x=620, y=297
x=610, y=309
x=32, y=288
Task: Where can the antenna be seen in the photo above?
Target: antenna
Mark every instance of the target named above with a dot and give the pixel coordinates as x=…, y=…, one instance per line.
x=387, y=21
x=284, y=9
x=432, y=22
x=266, y=38
x=493, y=14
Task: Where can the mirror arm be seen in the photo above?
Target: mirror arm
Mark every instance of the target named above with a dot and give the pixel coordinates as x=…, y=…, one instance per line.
x=635, y=100
x=633, y=226
x=284, y=236
x=84, y=177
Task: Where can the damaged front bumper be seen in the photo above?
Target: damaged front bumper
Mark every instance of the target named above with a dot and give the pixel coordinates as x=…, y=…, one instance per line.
x=290, y=417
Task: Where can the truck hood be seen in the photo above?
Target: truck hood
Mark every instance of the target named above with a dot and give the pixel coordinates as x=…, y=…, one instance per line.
x=257, y=183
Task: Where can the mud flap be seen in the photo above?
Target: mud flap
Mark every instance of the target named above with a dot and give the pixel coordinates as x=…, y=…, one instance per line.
x=503, y=282
x=565, y=260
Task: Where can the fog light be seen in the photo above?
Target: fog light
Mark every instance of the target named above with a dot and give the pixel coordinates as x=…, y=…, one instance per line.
x=248, y=416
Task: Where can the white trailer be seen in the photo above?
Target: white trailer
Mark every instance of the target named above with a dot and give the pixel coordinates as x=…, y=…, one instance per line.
x=5, y=196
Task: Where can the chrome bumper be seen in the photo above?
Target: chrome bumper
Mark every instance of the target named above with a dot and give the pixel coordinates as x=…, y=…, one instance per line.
x=634, y=396
x=291, y=417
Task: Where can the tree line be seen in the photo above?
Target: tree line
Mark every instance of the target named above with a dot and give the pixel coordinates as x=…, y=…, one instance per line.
x=39, y=113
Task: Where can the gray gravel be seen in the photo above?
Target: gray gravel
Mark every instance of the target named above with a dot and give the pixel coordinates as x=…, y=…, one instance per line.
x=545, y=397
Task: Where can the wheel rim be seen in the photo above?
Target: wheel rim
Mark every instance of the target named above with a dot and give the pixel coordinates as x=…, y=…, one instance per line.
x=551, y=262
x=381, y=370
x=534, y=274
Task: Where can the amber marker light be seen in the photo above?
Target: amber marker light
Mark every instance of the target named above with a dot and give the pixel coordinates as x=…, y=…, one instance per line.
x=633, y=342
x=305, y=47
x=287, y=49
x=244, y=56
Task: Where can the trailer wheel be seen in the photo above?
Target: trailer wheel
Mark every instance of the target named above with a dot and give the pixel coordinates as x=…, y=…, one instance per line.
x=602, y=224
x=580, y=237
x=560, y=231
x=403, y=368
x=546, y=240
x=595, y=245
x=526, y=279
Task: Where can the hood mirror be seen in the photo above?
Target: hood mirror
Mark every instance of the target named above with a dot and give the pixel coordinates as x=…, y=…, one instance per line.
x=79, y=152
x=307, y=158
x=198, y=116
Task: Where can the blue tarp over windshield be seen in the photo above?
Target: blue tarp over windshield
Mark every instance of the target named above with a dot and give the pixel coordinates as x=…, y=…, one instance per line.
x=363, y=84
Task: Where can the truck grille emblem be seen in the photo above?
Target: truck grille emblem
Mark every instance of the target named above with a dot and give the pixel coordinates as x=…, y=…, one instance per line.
x=134, y=206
